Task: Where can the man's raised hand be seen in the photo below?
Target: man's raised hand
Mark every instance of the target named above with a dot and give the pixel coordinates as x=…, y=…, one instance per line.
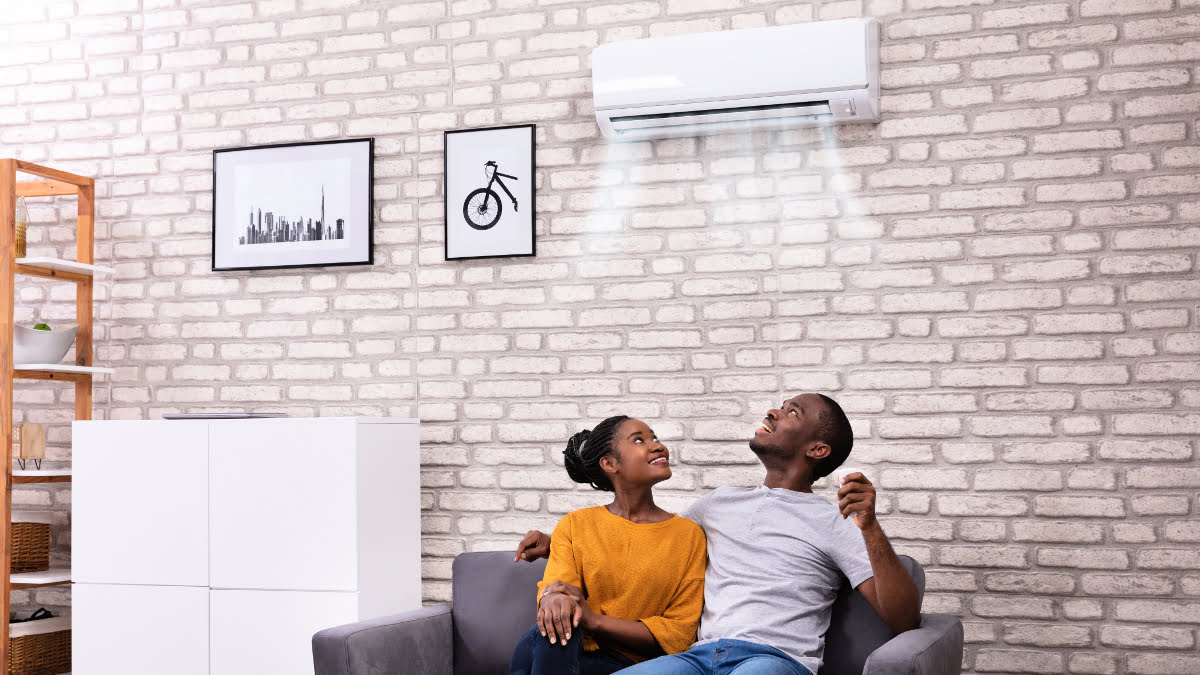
x=856, y=497
x=534, y=546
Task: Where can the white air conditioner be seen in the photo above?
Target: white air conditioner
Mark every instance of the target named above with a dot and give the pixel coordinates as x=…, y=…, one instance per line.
x=757, y=78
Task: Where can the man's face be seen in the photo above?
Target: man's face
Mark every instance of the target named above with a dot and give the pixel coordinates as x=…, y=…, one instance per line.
x=790, y=428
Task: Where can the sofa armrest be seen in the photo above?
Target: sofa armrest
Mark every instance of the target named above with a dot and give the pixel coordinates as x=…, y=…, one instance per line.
x=419, y=641
x=935, y=648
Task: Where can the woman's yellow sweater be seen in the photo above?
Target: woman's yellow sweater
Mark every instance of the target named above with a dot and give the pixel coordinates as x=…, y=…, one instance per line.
x=648, y=572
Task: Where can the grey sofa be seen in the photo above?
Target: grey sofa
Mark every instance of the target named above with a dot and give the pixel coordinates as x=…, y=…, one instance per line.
x=494, y=604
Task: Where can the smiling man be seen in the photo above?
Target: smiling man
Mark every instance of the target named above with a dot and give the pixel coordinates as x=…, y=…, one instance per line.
x=777, y=553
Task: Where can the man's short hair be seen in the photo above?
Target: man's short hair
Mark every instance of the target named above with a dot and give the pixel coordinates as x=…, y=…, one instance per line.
x=833, y=428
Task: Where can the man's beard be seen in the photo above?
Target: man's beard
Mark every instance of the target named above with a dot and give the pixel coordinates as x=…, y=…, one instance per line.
x=764, y=451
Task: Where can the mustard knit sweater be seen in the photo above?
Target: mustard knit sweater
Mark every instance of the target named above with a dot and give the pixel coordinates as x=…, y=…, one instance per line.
x=648, y=572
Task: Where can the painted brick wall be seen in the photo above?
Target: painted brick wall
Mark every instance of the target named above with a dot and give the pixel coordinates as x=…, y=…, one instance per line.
x=998, y=281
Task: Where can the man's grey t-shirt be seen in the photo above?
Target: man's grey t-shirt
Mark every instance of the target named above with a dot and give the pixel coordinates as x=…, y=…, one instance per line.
x=776, y=559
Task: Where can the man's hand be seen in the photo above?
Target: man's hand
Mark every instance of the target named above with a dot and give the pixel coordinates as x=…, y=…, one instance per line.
x=557, y=614
x=535, y=545
x=857, y=497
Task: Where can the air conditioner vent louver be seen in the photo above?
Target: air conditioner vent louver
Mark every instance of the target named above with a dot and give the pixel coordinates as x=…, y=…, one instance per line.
x=740, y=115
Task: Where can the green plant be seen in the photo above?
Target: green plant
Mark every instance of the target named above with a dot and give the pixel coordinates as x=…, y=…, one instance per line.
x=41, y=326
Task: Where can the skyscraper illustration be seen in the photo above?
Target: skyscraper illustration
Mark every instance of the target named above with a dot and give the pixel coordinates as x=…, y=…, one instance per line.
x=278, y=228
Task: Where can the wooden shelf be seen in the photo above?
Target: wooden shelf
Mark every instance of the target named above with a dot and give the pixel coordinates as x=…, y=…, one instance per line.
x=41, y=181
x=57, y=371
x=51, y=577
x=64, y=270
x=44, y=476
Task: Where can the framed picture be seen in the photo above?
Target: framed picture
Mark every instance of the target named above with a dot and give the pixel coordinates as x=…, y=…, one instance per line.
x=489, y=192
x=293, y=205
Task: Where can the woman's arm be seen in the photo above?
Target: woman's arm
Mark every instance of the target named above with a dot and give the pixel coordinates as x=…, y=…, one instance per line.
x=631, y=636
x=555, y=621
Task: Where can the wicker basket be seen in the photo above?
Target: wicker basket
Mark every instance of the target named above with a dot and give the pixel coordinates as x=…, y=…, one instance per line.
x=30, y=547
x=40, y=654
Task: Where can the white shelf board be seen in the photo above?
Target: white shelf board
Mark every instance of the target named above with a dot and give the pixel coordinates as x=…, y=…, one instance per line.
x=63, y=368
x=65, y=266
x=51, y=625
x=54, y=575
x=44, y=473
x=45, y=517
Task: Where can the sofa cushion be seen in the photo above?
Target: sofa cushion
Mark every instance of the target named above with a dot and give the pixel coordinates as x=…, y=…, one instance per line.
x=493, y=606
x=855, y=630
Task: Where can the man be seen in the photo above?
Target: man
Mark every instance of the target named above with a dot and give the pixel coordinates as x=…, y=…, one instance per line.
x=777, y=554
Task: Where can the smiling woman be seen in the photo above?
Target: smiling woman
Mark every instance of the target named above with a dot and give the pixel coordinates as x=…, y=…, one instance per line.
x=596, y=551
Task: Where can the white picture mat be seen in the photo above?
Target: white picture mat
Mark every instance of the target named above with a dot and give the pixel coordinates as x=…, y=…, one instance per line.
x=466, y=154
x=288, y=181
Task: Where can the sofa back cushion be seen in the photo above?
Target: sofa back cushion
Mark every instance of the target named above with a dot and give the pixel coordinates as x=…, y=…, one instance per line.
x=855, y=630
x=494, y=604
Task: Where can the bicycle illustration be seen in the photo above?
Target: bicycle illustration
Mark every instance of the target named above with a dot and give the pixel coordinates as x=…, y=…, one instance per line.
x=483, y=207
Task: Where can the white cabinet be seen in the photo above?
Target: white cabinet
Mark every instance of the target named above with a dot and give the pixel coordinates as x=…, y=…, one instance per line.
x=121, y=469
x=286, y=526
x=139, y=630
x=244, y=643
x=294, y=537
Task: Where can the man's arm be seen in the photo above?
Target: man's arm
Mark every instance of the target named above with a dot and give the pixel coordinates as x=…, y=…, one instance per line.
x=891, y=592
x=535, y=545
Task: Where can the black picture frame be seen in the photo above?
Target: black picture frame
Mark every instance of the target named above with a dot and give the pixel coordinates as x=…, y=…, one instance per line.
x=283, y=178
x=482, y=167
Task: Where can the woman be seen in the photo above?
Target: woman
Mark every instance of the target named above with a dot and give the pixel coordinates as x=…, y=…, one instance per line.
x=625, y=582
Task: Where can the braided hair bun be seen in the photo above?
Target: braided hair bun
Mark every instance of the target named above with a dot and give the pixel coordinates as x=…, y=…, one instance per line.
x=585, y=450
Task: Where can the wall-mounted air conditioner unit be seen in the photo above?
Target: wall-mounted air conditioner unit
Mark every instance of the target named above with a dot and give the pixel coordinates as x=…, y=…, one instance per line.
x=757, y=78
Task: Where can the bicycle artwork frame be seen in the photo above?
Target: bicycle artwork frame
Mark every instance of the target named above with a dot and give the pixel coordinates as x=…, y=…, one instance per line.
x=489, y=192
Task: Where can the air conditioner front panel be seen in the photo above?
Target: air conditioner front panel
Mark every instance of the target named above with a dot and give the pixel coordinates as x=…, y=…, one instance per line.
x=730, y=65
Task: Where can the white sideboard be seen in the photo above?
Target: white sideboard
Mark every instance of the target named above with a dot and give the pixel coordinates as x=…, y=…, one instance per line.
x=218, y=547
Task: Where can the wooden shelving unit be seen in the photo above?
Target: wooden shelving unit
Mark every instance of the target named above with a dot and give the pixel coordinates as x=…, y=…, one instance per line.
x=80, y=272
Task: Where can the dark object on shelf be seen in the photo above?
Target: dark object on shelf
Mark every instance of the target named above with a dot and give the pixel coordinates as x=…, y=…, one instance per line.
x=30, y=544
x=41, y=613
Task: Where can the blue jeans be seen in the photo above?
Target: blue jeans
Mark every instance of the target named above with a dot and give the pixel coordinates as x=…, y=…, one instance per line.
x=535, y=655
x=723, y=657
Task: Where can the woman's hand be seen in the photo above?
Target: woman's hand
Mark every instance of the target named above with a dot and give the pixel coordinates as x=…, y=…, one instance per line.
x=567, y=589
x=557, y=614
x=536, y=544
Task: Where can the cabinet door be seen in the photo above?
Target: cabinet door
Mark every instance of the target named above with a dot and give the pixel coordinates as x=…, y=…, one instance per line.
x=258, y=632
x=283, y=505
x=140, y=512
x=139, y=630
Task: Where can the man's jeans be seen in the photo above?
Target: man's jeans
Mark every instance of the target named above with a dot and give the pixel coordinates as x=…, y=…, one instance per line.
x=723, y=657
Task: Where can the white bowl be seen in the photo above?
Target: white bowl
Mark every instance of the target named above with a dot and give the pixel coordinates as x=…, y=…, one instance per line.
x=41, y=346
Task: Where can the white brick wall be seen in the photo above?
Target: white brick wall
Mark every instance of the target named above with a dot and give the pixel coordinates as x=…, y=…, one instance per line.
x=997, y=281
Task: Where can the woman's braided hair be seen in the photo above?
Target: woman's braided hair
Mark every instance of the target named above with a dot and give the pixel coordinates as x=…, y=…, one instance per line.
x=585, y=450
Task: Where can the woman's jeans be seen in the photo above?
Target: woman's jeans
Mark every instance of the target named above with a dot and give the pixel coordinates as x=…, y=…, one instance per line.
x=535, y=655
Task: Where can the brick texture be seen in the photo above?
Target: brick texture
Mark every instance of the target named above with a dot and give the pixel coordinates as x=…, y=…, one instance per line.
x=998, y=281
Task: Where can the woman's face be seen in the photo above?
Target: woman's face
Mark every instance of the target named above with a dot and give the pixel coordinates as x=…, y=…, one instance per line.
x=641, y=460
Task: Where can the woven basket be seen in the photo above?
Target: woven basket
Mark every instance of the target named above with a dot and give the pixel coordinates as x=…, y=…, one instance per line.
x=30, y=547
x=41, y=654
